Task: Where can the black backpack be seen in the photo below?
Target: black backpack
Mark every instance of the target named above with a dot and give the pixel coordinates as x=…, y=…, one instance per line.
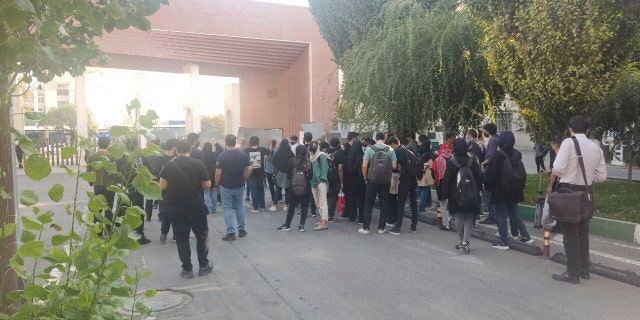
x=299, y=183
x=332, y=175
x=379, y=166
x=466, y=193
x=513, y=176
x=414, y=165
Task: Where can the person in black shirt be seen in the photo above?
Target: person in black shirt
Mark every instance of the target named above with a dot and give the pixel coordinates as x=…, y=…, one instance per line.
x=299, y=163
x=194, y=140
x=210, y=158
x=336, y=154
x=184, y=180
x=169, y=153
x=257, y=157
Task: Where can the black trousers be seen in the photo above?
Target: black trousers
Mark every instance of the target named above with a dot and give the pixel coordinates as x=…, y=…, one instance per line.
x=138, y=200
x=576, y=246
x=148, y=208
x=354, y=187
x=540, y=163
x=392, y=207
x=304, y=208
x=382, y=192
x=184, y=220
x=272, y=185
x=109, y=196
x=407, y=187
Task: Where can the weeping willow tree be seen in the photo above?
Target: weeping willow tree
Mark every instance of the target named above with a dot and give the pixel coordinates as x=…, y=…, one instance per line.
x=417, y=65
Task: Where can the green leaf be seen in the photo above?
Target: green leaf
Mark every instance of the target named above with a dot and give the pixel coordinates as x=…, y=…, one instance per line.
x=28, y=198
x=68, y=152
x=30, y=224
x=88, y=176
x=32, y=291
x=150, y=293
x=27, y=147
x=56, y=227
x=4, y=194
x=56, y=192
x=7, y=230
x=46, y=217
x=133, y=217
x=148, y=119
x=69, y=170
x=117, y=150
x=129, y=279
x=37, y=167
x=133, y=105
x=25, y=5
x=15, y=17
x=122, y=253
x=31, y=249
x=146, y=274
x=26, y=236
x=97, y=203
x=59, y=239
x=118, y=131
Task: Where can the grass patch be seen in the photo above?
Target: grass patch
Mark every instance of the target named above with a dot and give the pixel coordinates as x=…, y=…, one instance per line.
x=617, y=200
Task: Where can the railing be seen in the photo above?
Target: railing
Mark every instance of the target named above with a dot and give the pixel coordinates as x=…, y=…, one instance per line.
x=53, y=152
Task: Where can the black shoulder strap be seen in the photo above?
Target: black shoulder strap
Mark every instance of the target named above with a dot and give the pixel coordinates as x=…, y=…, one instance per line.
x=581, y=161
x=181, y=173
x=455, y=162
x=470, y=163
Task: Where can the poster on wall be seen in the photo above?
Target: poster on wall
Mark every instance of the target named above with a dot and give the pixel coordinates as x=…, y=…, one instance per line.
x=245, y=133
x=316, y=129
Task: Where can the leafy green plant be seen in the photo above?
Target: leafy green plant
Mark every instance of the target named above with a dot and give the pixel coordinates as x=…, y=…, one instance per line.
x=81, y=272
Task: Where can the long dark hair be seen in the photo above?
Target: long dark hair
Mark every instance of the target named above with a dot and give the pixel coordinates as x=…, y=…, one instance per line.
x=208, y=154
x=282, y=156
x=354, y=159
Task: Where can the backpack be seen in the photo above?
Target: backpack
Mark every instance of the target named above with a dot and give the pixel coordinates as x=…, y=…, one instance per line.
x=466, y=193
x=380, y=166
x=414, y=165
x=299, y=183
x=332, y=175
x=513, y=175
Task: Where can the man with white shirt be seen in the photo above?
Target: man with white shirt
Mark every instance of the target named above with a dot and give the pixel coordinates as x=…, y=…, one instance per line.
x=567, y=168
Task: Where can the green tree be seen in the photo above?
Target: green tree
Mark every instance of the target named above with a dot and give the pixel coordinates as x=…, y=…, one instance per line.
x=62, y=117
x=556, y=58
x=212, y=123
x=43, y=39
x=92, y=126
x=422, y=65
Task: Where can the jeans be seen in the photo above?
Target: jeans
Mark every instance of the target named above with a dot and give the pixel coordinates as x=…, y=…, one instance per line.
x=232, y=199
x=312, y=204
x=382, y=191
x=185, y=220
x=304, y=208
x=424, y=194
x=278, y=195
x=256, y=185
x=392, y=207
x=504, y=210
x=332, y=203
x=540, y=164
x=272, y=184
x=211, y=200
x=108, y=213
x=320, y=196
x=576, y=245
x=406, y=189
x=165, y=217
x=464, y=224
x=445, y=212
x=148, y=208
x=354, y=197
x=490, y=207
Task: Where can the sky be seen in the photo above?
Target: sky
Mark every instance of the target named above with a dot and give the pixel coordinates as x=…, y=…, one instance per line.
x=303, y=3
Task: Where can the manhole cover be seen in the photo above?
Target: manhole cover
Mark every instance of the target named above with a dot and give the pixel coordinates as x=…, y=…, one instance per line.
x=164, y=300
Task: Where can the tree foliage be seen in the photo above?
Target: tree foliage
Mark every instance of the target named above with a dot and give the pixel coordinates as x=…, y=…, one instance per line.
x=556, y=58
x=418, y=65
x=212, y=123
x=62, y=117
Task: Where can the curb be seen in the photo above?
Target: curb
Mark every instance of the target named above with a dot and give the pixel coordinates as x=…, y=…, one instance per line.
x=613, y=229
x=624, y=276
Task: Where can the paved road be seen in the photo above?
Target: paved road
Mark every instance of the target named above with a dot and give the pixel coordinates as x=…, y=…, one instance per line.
x=340, y=274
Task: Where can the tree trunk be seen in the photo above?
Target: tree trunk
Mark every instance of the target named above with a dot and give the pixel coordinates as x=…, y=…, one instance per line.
x=9, y=278
x=632, y=160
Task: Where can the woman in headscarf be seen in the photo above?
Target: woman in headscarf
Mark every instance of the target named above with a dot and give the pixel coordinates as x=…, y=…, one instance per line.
x=354, y=186
x=297, y=165
x=320, y=184
x=439, y=167
x=464, y=213
x=281, y=165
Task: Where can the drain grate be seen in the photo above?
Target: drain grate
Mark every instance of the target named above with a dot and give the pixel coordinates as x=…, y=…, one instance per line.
x=164, y=300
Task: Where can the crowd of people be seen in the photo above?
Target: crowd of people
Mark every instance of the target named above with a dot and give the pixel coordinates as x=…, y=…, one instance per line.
x=470, y=177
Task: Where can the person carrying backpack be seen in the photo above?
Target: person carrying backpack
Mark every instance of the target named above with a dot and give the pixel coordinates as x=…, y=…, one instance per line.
x=410, y=168
x=335, y=175
x=377, y=164
x=300, y=173
x=445, y=152
x=506, y=178
x=319, y=184
x=461, y=186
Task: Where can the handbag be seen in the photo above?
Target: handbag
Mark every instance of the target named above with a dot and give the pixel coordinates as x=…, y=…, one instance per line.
x=568, y=205
x=547, y=221
x=340, y=203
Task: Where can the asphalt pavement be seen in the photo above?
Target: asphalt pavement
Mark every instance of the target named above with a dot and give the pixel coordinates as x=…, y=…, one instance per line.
x=341, y=274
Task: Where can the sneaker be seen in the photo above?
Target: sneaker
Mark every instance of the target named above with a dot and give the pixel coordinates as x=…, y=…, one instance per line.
x=229, y=237
x=526, y=240
x=261, y=209
x=273, y=208
x=500, y=246
x=363, y=231
x=285, y=208
x=444, y=228
x=242, y=233
x=186, y=274
x=254, y=210
x=488, y=221
x=301, y=228
x=395, y=230
x=163, y=238
x=143, y=240
x=413, y=229
x=381, y=231
x=314, y=215
x=465, y=247
x=333, y=220
x=206, y=270
x=458, y=246
x=321, y=227
x=390, y=224
x=283, y=228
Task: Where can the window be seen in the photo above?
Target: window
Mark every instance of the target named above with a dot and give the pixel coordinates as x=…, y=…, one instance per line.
x=503, y=121
x=63, y=90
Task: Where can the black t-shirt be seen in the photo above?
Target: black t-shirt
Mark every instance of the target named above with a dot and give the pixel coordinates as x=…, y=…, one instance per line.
x=256, y=158
x=184, y=184
x=232, y=163
x=197, y=154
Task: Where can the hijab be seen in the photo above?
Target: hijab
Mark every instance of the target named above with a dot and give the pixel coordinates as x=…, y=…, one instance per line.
x=355, y=156
x=282, y=156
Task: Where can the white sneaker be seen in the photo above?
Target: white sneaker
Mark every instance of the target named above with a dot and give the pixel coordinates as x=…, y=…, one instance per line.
x=254, y=210
x=390, y=225
x=273, y=208
x=285, y=208
x=363, y=231
x=381, y=231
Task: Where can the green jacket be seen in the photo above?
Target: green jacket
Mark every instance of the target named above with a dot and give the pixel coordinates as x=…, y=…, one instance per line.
x=320, y=171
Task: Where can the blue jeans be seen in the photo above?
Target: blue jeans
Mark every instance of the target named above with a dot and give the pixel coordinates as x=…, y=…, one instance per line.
x=486, y=204
x=256, y=185
x=278, y=196
x=211, y=200
x=424, y=194
x=504, y=210
x=232, y=199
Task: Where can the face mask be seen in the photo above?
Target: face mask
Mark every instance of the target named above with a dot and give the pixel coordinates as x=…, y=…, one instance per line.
x=313, y=148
